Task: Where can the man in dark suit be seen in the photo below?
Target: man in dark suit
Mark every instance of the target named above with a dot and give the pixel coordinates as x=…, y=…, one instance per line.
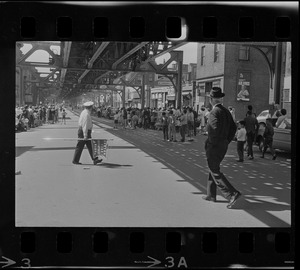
x=221, y=130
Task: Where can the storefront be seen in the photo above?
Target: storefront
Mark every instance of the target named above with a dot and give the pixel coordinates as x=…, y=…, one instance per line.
x=204, y=87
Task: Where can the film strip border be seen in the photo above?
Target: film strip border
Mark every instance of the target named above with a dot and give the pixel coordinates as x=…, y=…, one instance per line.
x=140, y=247
x=144, y=247
x=47, y=21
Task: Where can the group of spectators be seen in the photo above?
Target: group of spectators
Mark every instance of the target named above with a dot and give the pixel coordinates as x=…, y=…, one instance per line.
x=30, y=116
x=185, y=120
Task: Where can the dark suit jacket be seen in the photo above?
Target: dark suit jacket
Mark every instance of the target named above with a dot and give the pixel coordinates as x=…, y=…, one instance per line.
x=220, y=125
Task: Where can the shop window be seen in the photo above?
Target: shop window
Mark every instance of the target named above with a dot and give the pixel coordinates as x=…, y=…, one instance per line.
x=244, y=53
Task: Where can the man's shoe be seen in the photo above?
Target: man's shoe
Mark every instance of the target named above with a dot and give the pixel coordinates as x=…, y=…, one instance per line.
x=209, y=198
x=76, y=163
x=233, y=199
x=240, y=160
x=250, y=158
x=96, y=161
x=274, y=157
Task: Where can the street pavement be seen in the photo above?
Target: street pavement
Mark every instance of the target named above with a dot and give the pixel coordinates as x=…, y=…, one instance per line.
x=144, y=182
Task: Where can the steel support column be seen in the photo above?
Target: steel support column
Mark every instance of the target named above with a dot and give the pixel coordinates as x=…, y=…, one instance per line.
x=278, y=73
x=123, y=96
x=143, y=92
x=179, y=80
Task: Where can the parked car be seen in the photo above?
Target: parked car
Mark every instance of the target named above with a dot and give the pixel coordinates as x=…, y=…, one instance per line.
x=261, y=118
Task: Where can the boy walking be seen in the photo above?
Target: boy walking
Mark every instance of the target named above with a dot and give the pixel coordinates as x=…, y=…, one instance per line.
x=268, y=142
x=241, y=139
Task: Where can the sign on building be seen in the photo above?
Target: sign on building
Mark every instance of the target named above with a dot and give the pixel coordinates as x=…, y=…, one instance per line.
x=243, y=86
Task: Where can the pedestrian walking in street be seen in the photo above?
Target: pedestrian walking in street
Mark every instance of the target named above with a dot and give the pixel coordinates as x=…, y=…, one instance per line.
x=172, y=127
x=124, y=115
x=251, y=125
x=183, y=127
x=241, y=139
x=201, y=117
x=63, y=116
x=268, y=139
x=152, y=121
x=190, y=123
x=221, y=130
x=85, y=132
x=135, y=120
x=164, y=123
x=116, y=120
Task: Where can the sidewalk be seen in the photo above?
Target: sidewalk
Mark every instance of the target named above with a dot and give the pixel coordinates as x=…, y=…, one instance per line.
x=130, y=189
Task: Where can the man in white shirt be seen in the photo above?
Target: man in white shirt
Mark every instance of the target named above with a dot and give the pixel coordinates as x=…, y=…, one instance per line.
x=84, y=132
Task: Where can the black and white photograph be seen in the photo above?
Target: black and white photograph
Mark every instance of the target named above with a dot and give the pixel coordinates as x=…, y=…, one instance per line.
x=153, y=134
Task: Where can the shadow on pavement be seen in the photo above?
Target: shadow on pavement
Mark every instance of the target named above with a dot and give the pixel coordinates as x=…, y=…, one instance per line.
x=113, y=165
x=263, y=183
x=22, y=149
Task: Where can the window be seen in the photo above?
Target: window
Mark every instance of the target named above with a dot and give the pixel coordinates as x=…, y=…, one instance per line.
x=244, y=53
x=216, y=52
x=202, y=55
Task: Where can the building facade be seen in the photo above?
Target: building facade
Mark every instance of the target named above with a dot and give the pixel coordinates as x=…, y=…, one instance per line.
x=286, y=97
x=241, y=72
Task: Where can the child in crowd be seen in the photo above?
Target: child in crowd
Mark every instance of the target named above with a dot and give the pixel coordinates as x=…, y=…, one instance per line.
x=164, y=121
x=241, y=139
x=268, y=136
x=116, y=120
x=63, y=116
x=172, y=127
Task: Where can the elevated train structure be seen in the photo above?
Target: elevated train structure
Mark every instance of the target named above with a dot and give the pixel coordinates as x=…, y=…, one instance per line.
x=82, y=66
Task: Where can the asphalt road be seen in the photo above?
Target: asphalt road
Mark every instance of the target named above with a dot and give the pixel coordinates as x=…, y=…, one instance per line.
x=145, y=182
x=264, y=183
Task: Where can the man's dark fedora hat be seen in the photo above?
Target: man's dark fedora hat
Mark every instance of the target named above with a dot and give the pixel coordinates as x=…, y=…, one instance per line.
x=216, y=92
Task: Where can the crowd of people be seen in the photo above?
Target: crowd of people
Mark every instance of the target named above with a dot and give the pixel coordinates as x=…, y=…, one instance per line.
x=186, y=120
x=30, y=116
x=177, y=124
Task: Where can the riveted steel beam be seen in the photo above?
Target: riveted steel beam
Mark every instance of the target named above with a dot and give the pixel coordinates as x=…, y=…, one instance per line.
x=136, y=48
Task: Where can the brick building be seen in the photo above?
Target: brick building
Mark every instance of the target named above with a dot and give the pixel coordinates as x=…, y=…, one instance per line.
x=241, y=71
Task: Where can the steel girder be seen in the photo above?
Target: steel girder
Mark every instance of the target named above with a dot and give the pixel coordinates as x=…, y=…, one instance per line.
x=82, y=64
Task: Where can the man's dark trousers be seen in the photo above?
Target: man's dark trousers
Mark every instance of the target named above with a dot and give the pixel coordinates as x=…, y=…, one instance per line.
x=183, y=132
x=80, y=145
x=250, y=140
x=215, y=154
x=240, y=149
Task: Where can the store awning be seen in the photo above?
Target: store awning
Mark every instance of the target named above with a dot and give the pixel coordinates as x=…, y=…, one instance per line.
x=170, y=97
